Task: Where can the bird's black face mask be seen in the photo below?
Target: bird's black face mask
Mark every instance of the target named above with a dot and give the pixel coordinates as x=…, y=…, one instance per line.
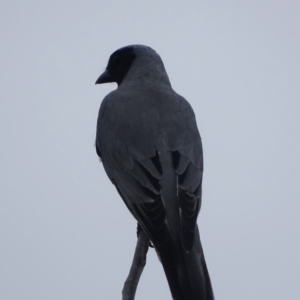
x=118, y=65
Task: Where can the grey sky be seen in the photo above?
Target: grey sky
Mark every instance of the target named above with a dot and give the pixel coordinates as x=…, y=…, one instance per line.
x=65, y=233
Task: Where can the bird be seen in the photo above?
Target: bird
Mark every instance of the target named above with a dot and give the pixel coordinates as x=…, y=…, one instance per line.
x=150, y=147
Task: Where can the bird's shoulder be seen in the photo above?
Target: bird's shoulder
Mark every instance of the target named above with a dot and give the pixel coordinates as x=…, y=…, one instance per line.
x=140, y=105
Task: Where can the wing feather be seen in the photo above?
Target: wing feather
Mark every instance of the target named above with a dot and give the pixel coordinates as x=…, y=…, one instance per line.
x=140, y=189
x=189, y=171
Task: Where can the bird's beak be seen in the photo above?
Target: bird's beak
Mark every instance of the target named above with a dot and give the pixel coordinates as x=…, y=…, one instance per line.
x=104, y=78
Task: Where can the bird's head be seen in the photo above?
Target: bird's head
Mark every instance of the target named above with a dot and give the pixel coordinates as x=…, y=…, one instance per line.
x=121, y=60
x=118, y=65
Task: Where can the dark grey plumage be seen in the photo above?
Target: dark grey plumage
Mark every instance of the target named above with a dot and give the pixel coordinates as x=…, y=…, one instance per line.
x=148, y=141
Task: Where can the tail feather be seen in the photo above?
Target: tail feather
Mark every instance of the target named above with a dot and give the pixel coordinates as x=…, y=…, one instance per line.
x=186, y=272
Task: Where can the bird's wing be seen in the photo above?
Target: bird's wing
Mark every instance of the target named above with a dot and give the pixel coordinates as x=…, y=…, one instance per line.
x=140, y=189
x=137, y=172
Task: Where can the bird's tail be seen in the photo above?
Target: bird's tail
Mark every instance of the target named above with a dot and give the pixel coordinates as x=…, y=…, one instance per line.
x=186, y=272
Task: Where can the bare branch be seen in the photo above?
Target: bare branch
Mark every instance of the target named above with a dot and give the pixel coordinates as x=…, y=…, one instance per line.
x=137, y=266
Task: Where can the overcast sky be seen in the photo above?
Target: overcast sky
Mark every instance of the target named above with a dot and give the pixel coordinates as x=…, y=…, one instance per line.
x=64, y=231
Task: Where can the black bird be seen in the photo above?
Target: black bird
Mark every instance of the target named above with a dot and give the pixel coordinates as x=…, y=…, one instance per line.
x=151, y=150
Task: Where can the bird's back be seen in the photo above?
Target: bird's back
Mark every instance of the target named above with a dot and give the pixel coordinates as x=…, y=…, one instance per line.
x=147, y=118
